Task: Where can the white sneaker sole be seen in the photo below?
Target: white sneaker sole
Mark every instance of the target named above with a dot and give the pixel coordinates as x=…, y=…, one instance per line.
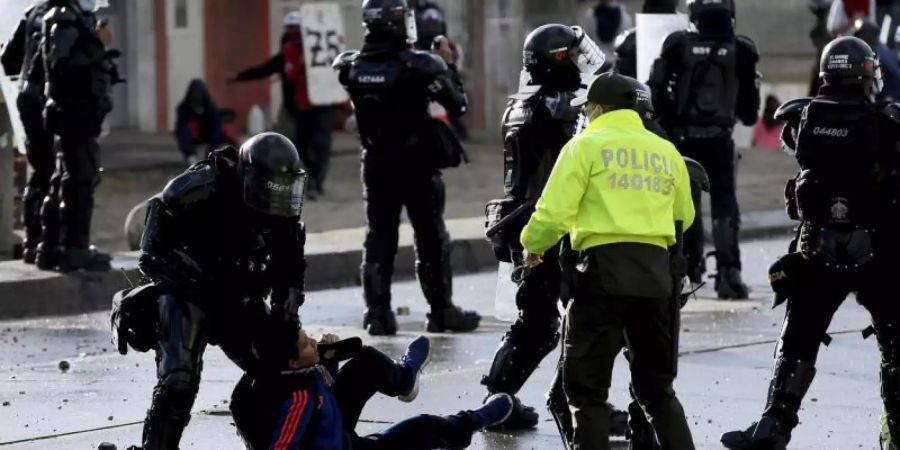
x=411, y=396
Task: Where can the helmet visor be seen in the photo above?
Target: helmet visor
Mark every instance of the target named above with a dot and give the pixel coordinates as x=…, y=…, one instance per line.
x=275, y=194
x=586, y=55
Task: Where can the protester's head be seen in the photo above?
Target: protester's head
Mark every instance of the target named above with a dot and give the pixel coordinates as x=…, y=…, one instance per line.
x=292, y=22
x=197, y=96
x=307, y=352
x=609, y=92
x=389, y=22
x=850, y=66
x=273, y=181
x=555, y=56
x=868, y=31
x=712, y=18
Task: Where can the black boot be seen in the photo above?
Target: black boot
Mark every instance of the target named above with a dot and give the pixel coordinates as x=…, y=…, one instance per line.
x=641, y=435
x=729, y=283
x=47, y=252
x=790, y=382
x=32, y=202
x=522, y=417
x=452, y=318
x=90, y=259
x=379, y=319
x=168, y=416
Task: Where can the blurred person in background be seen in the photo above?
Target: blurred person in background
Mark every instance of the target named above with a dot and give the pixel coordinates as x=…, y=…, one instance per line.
x=888, y=60
x=314, y=123
x=21, y=56
x=820, y=37
x=767, y=131
x=844, y=13
x=198, y=122
x=431, y=26
x=603, y=22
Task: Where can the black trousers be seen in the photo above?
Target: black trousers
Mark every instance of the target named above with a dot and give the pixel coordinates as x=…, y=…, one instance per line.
x=718, y=157
x=373, y=372
x=185, y=330
x=810, y=310
x=40, y=154
x=535, y=333
x=597, y=328
x=387, y=189
x=314, y=129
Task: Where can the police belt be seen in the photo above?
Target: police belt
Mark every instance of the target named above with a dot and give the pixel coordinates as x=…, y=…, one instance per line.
x=701, y=132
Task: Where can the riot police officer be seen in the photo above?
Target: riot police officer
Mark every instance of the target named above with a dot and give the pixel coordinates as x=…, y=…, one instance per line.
x=622, y=215
x=845, y=197
x=430, y=22
x=703, y=82
x=537, y=123
x=80, y=73
x=222, y=237
x=404, y=149
x=22, y=55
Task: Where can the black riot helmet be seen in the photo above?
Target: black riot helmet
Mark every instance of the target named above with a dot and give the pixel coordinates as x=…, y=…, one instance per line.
x=273, y=179
x=850, y=62
x=713, y=18
x=388, y=21
x=557, y=55
x=643, y=98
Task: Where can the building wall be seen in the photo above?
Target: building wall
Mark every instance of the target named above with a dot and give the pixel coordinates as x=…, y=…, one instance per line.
x=236, y=37
x=141, y=68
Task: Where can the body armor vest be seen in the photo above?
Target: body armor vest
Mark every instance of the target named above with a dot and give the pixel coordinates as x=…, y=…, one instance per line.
x=707, y=88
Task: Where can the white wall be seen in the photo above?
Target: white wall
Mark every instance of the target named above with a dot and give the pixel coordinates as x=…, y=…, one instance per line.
x=140, y=41
x=185, y=52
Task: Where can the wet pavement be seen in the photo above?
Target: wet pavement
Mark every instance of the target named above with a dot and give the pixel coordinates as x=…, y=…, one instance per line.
x=726, y=346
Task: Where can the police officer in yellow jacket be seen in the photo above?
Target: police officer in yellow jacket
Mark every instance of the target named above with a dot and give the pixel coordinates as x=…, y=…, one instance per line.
x=618, y=190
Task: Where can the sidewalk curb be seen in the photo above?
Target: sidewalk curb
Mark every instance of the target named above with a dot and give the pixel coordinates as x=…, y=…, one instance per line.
x=26, y=292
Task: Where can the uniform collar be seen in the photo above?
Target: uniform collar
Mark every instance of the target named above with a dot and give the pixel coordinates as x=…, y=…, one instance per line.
x=620, y=117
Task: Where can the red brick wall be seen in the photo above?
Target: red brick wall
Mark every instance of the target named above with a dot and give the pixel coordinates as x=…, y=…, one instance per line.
x=162, y=66
x=236, y=37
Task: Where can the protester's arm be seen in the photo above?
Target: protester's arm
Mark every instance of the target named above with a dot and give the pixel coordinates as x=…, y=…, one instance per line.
x=271, y=67
x=294, y=419
x=557, y=209
x=287, y=270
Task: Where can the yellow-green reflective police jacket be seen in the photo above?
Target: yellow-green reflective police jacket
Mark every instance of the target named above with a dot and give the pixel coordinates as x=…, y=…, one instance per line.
x=615, y=182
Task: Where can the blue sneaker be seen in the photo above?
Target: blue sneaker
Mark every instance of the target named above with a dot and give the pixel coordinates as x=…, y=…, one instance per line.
x=417, y=356
x=495, y=410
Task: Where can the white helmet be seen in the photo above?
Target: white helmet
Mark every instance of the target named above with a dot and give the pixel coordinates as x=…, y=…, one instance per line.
x=292, y=19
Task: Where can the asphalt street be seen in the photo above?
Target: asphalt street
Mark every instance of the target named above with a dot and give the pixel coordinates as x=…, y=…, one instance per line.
x=726, y=361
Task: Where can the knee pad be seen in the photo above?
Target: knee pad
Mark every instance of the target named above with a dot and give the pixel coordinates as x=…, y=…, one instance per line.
x=522, y=349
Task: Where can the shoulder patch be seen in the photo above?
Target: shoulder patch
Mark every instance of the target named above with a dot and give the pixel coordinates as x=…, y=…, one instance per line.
x=744, y=43
x=345, y=59
x=792, y=109
x=61, y=14
x=427, y=62
x=193, y=186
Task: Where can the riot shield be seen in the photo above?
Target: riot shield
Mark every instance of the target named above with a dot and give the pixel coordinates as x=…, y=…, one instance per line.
x=652, y=30
x=323, y=41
